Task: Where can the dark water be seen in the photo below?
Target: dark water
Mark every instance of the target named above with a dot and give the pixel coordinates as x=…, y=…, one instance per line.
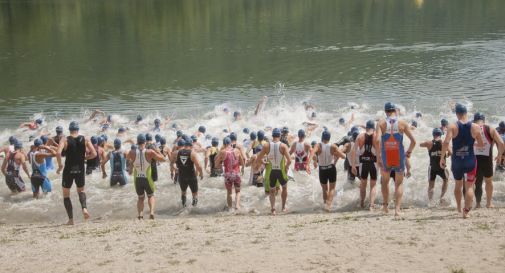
x=61, y=56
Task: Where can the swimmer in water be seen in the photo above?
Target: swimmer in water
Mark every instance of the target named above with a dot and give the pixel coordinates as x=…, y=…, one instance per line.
x=392, y=157
x=188, y=169
x=11, y=168
x=117, y=160
x=256, y=177
x=39, y=179
x=261, y=105
x=327, y=156
x=210, y=158
x=140, y=167
x=434, y=148
x=278, y=162
x=75, y=146
x=286, y=138
x=237, y=116
x=302, y=152
x=32, y=125
x=463, y=134
x=500, y=166
x=485, y=159
x=232, y=160
x=444, y=125
x=201, y=131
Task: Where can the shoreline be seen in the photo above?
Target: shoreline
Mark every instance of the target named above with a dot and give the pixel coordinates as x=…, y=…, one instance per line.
x=425, y=240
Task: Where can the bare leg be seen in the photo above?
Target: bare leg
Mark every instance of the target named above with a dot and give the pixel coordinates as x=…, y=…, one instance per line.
x=385, y=190
x=373, y=193
x=331, y=193
x=272, y=200
x=237, y=199
x=362, y=192
x=284, y=197
x=431, y=190
x=489, y=192
x=444, y=189
x=468, y=198
x=140, y=206
x=229, y=198
x=398, y=193
x=325, y=192
x=458, y=193
x=151, y=202
x=82, y=199
x=68, y=206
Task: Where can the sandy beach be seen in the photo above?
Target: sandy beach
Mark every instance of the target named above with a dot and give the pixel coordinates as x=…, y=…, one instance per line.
x=425, y=240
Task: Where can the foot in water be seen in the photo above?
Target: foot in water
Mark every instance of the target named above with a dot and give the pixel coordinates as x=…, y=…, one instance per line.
x=85, y=213
x=70, y=222
x=151, y=217
x=466, y=213
x=273, y=212
x=140, y=217
x=385, y=208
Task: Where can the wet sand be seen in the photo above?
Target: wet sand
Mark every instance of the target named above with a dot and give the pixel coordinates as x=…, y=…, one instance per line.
x=425, y=240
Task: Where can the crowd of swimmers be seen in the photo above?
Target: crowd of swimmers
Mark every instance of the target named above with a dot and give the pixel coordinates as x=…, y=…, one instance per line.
x=373, y=149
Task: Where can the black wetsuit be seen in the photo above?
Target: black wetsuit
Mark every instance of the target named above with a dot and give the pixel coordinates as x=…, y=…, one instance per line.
x=118, y=173
x=186, y=170
x=57, y=140
x=368, y=160
x=12, y=178
x=74, y=162
x=93, y=164
x=484, y=165
x=435, y=154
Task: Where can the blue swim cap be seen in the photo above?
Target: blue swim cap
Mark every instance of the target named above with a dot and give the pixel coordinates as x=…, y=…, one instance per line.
x=285, y=130
x=258, y=149
x=414, y=123
x=236, y=114
x=226, y=110
x=437, y=132
x=355, y=129
x=355, y=135
x=149, y=137
x=174, y=125
x=202, y=129
x=419, y=115
x=226, y=141
x=325, y=128
x=246, y=131
x=12, y=140
x=460, y=109
x=37, y=142
x=194, y=138
x=109, y=118
x=38, y=121
x=59, y=130
x=301, y=133
x=313, y=143
x=179, y=133
x=314, y=115
x=121, y=130
x=181, y=143
x=133, y=147
x=139, y=118
x=215, y=141
x=207, y=137
x=163, y=141
x=479, y=116
x=276, y=132
x=74, y=126
x=326, y=135
x=117, y=143
x=105, y=137
x=189, y=144
x=157, y=137
x=389, y=107
x=225, y=130
x=44, y=139
x=261, y=135
x=100, y=140
x=370, y=124
x=444, y=122
x=94, y=140
x=501, y=125
x=141, y=139
x=18, y=145
x=341, y=121
x=157, y=122
x=253, y=136
x=233, y=136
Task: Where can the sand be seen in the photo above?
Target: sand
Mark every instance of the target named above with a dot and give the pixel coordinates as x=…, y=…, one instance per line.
x=426, y=240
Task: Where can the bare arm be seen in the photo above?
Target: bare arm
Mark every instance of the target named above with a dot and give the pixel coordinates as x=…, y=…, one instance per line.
x=499, y=143
x=425, y=144
x=445, y=144
x=131, y=159
x=409, y=134
x=261, y=155
x=25, y=166
x=285, y=152
x=4, y=166
x=336, y=152
x=104, y=161
x=198, y=167
x=476, y=135
x=219, y=158
x=156, y=155
x=92, y=150
x=61, y=147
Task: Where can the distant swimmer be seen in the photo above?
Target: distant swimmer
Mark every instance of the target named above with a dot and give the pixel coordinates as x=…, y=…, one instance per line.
x=32, y=125
x=253, y=143
x=210, y=159
x=39, y=179
x=327, y=156
x=484, y=155
x=164, y=149
x=278, y=162
x=286, y=138
x=256, y=177
x=351, y=160
x=55, y=141
x=197, y=146
x=138, y=120
x=201, y=131
x=174, y=172
x=434, y=148
x=48, y=159
x=463, y=135
x=365, y=151
x=92, y=164
x=10, y=148
x=261, y=105
x=232, y=160
x=500, y=166
x=157, y=125
x=75, y=147
x=302, y=152
x=392, y=157
x=11, y=168
x=150, y=145
x=444, y=124
x=237, y=116
x=117, y=160
x=188, y=169
x=141, y=169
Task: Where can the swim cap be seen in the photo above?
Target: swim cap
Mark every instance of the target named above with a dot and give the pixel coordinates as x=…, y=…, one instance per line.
x=194, y=138
x=355, y=135
x=389, y=107
x=12, y=140
x=207, y=137
x=276, y=132
x=94, y=140
x=236, y=114
x=314, y=115
x=163, y=141
x=149, y=137
x=178, y=133
x=157, y=137
x=325, y=128
x=479, y=116
x=258, y=149
x=215, y=141
x=370, y=124
x=460, y=109
x=181, y=143
x=202, y=129
x=157, y=122
x=414, y=123
x=225, y=130
x=109, y=118
x=59, y=130
x=44, y=139
x=341, y=121
x=226, y=141
x=139, y=118
x=189, y=144
x=444, y=122
x=233, y=136
x=121, y=130
x=226, y=110
x=105, y=137
x=100, y=140
x=437, y=132
x=38, y=121
x=18, y=145
x=37, y=142
x=141, y=139
x=253, y=136
x=502, y=125
x=285, y=130
x=355, y=129
x=301, y=133
x=174, y=125
x=246, y=131
x=133, y=147
x=313, y=143
x=326, y=135
x=74, y=126
x=105, y=126
x=117, y=143
x=261, y=135
x=419, y=115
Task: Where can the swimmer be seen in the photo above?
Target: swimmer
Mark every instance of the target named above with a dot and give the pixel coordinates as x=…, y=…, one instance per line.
x=201, y=131
x=392, y=157
x=500, y=166
x=463, y=134
x=32, y=125
x=75, y=147
x=150, y=145
x=302, y=152
x=261, y=105
x=14, y=161
x=278, y=162
x=141, y=168
x=188, y=169
x=117, y=160
x=39, y=179
x=327, y=156
x=237, y=116
x=210, y=158
x=434, y=148
x=256, y=177
x=231, y=159
x=286, y=138
x=485, y=159
x=174, y=174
